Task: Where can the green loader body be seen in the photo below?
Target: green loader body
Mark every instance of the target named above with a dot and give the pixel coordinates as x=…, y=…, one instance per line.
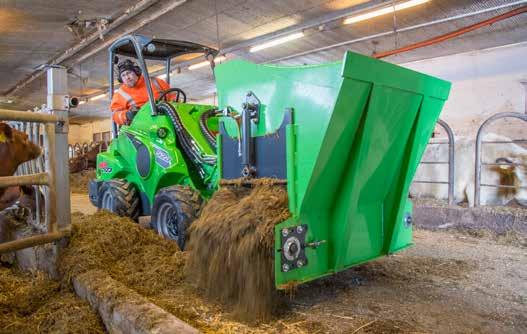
x=359, y=129
x=346, y=137
x=167, y=164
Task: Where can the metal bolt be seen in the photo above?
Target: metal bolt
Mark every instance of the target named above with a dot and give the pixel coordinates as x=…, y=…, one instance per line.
x=408, y=220
x=285, y=267
x=299, y=263
x=299, y=229
x=285, y=232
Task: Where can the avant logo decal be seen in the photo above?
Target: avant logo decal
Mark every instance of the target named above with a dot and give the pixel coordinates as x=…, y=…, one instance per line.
x=103, y=166
x=162, y=157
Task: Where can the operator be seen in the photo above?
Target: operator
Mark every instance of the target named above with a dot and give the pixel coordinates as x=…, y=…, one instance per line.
x=133, y=93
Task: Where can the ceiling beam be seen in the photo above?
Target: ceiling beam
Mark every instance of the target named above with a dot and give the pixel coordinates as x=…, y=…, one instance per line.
x=92, y=39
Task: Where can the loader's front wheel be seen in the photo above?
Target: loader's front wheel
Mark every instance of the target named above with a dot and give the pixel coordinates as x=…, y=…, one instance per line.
x=175, y=208
x=119, y=197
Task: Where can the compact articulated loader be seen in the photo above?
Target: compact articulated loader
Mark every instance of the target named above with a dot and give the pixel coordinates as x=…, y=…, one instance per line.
x=345, y=138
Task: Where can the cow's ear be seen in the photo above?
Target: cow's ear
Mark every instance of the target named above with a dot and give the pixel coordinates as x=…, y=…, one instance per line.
x=6, y=133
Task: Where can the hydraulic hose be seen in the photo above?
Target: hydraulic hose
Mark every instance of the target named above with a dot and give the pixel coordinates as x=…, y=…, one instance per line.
x=185, y=140
x=209, y=136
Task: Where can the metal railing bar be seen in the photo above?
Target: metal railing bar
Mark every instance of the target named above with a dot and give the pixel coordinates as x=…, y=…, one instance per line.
x=503, y=164
x=40, y=239
x=502, y=186
x=25, y=180
x=432, y=182
x=515, y=141
x=24, y=116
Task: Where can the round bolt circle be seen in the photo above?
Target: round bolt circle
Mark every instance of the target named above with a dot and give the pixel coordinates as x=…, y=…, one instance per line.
x=285, y=267
x=293, y=248
x=408, y=220
x=299, y=229
x=299, y=263
x=285, y=232
x=162, y=132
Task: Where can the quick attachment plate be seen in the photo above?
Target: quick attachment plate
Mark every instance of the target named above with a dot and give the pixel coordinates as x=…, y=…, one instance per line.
x=293, y=253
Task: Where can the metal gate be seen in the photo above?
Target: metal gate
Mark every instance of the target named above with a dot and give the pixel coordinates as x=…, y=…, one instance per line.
x=55, y=175
x=451, y=162
x=37, y=135
x=479, y=163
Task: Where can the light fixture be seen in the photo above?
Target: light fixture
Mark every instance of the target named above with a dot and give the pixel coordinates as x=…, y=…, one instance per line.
x=97, y=97
x=162, y=76
x=206, y=62
x=383, y=11
x=277, y=41
x=81, y=102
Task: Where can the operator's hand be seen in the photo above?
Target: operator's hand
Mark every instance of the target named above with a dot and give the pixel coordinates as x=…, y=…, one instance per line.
x=130, y=114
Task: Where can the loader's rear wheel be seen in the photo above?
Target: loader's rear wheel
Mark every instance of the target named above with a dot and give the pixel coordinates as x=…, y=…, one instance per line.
x=119, y=197
x=175, y=208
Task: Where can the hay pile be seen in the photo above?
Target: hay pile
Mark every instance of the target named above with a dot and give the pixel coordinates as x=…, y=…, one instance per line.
x=36, y=304
x=240, y=220
x=152, y=266
x=136, y=257
x=231, y=256
x=79, y=181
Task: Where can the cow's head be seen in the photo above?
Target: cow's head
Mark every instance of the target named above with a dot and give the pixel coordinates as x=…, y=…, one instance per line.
x=15, y=149
x=513, y=172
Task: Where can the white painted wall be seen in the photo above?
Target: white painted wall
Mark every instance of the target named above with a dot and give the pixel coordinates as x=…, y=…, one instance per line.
x=84, y=133
x=484, y=82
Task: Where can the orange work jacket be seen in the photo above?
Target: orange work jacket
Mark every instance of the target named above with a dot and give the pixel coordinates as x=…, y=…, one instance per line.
x=126, y=97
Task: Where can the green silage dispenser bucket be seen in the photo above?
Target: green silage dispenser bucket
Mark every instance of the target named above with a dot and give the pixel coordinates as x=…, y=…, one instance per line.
x=355, y=135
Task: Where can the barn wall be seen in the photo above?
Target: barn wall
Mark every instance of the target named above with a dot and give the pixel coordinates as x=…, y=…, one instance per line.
x=84, y=133
x=211, y=100
x=484, y=82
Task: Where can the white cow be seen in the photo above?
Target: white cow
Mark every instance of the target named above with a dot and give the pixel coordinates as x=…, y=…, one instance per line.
x=465, y=171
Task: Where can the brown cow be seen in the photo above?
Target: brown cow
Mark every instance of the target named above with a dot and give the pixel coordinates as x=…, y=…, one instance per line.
x=88, y=159
x=15, y=149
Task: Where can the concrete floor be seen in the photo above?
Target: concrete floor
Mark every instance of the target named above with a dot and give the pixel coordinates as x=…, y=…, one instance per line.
x=447, y=283
x=81, y=203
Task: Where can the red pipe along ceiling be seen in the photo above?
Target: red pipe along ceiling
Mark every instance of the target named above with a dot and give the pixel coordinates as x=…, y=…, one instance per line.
x=452, y=34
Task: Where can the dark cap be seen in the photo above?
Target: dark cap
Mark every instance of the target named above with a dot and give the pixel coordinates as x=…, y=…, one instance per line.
x=128, y=65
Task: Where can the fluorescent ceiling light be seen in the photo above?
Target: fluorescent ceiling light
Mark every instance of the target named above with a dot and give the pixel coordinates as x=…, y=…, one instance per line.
x=206, y=62
x=162, y=76
x=385, y=10
x=277, y=41
x=82, y=102
x=97, y=97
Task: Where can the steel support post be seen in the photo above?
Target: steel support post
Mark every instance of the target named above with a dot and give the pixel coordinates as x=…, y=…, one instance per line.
x=58, y=103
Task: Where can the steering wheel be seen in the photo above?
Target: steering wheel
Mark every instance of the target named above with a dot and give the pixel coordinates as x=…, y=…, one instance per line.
x=179, y=92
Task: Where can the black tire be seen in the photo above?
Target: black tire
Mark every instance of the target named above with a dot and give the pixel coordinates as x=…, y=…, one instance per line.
x=120, y=197
x=175, y=208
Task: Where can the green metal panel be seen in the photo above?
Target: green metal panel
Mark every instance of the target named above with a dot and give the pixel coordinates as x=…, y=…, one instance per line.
x=360, y=128
x=120, y=159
